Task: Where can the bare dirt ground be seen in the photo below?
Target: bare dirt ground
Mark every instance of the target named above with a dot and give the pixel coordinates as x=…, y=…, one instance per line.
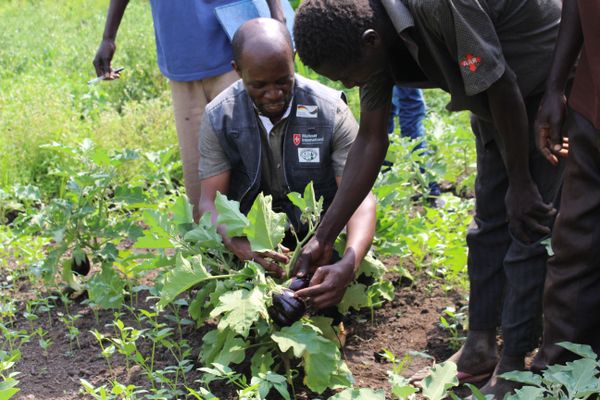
x=410, y=323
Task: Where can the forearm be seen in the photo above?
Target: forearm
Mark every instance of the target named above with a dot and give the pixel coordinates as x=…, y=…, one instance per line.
x=568, y=46
x=276, y=10
x=361, y=229
x=116, y=9
x=510, y=120
x=362, y=166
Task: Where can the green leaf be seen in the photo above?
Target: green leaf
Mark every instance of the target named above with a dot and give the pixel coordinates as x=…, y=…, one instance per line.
x=185, y=275
x=370, y=266
x=297, y=200
x=205, y=234
x=324, y=324
x=441, y=378
x=106, y=288
x=526, y=377
x=240, y=310
x=355, y=297
x=7, y=393
x=267, y=228
x=129, y=195
x=322, y=361
x=230, y=216
x=359, y=394
x=182, y=211
x=582, y=350
x=222, y=347
x=200, y=307
x=475, y=393
x=312, y=205
x=309, y=207
x=401, y=387
x=262, y=361
x=266, y=381
x=157, y=235
x=583, y=377
x=527, y=393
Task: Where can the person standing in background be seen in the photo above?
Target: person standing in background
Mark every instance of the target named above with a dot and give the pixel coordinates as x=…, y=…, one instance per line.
x=572, y=291
x=408, y=105
x=195, y=54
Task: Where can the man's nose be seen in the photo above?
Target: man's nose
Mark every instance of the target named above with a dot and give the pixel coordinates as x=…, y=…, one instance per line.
x=274, y=94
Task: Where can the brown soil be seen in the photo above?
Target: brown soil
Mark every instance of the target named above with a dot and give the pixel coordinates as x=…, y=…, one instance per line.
x=410, y=323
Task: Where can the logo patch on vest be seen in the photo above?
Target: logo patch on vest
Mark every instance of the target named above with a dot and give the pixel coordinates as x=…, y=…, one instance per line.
x=297, y=139
x=309, y=155
x=304, y=111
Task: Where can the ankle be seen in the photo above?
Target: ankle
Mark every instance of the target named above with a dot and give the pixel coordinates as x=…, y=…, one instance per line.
x=483, y=341
x=510, y=363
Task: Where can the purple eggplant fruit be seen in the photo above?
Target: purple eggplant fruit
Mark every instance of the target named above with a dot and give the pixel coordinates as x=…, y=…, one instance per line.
x=299, y=283
x=81, y=268
x=286, y=308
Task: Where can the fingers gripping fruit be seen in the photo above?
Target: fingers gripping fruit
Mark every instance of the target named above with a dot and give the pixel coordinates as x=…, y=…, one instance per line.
x=286, y=308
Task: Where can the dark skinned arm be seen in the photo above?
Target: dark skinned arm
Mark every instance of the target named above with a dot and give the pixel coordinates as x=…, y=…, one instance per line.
x=106, y=50
x=362, y=166
x=553, y=106
x=240, y=246
x=276, y=10
x=524, y=204
x=329, y=283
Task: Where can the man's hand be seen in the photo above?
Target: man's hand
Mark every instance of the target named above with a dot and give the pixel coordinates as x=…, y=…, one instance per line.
x=548, y=124
x=240, y=246
x=312, y=255
x=328, y=284
x=103, y=58
x=528, y=215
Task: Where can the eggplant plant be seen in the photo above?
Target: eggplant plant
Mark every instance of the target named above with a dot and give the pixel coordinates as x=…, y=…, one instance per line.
x=256, y=315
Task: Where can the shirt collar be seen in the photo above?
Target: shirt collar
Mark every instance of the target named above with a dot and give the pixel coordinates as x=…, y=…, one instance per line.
x=266, y=121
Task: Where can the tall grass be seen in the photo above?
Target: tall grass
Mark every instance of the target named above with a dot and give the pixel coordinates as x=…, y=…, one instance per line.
x=46, y=52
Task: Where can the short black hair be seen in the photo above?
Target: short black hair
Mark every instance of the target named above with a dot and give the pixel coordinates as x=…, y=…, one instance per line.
x=330, y=31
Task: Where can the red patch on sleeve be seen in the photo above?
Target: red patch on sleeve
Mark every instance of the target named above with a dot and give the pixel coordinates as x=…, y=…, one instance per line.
x=471, y=62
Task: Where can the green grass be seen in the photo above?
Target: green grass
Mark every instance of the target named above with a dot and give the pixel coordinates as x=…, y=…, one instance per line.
x=46, y=52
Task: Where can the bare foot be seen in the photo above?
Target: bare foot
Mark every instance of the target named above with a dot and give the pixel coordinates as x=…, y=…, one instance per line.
x=475, y=359
x=499, y=387
x=478, y=355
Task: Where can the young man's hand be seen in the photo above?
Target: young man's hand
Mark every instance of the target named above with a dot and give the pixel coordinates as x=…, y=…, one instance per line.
x=313, y=254
x=269, y=260
x=548, y=125
x=328, y=284
x=527, y=213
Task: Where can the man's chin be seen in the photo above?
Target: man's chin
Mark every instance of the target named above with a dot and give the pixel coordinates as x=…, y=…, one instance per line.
x=273, y=112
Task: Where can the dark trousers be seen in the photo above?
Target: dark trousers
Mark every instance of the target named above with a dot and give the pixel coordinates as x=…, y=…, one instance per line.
x=506, y=276
x=572, y=294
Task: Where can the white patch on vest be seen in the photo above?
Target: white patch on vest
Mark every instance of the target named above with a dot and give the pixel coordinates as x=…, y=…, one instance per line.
x=304, y=111
x=309, y=155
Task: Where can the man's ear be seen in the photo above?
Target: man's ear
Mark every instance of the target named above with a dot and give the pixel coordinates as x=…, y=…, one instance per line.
x=237, y=69
x=371, y=38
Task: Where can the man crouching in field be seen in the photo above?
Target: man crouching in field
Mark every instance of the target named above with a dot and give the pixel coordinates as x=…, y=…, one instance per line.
x=274, y=132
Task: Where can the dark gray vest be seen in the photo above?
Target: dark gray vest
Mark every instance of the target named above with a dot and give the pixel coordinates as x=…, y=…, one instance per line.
x=307, y=141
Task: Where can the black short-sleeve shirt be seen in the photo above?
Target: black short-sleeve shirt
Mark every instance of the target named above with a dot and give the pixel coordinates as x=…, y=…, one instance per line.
x=464, y=46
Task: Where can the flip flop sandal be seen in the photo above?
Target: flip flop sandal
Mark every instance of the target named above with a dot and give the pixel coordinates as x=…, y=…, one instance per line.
x=463, y=377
